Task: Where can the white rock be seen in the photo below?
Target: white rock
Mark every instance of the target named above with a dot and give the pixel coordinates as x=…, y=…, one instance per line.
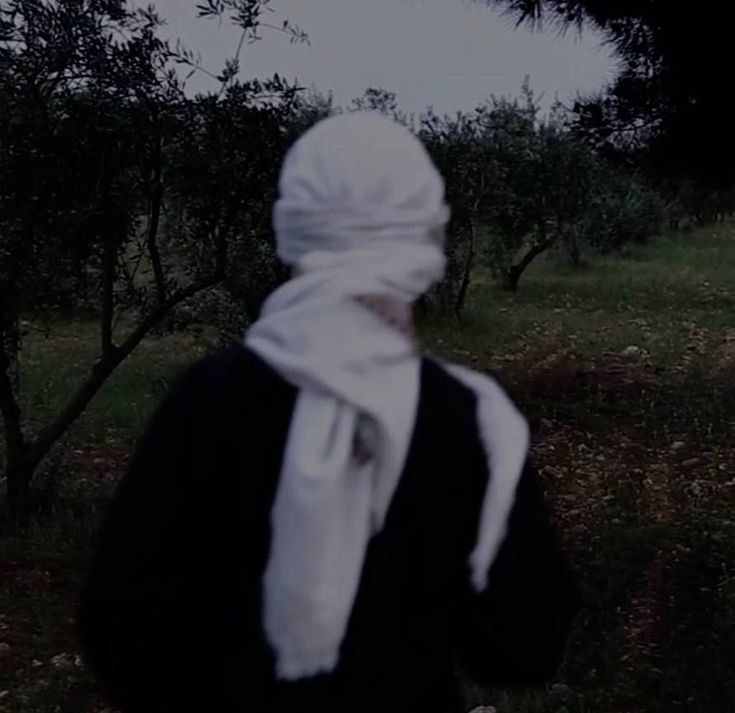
x=634, y=352
x=62, y=661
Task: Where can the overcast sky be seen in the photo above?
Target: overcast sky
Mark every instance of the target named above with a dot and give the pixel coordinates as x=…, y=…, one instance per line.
x=450, y=54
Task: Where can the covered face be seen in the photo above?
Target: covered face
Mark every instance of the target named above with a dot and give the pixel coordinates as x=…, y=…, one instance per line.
x=360, y=192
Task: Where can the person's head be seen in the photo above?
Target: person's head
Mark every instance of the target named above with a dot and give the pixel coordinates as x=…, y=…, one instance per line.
x=359, y=192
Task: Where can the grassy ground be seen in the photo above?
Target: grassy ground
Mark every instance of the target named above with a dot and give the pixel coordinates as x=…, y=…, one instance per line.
x=625, y=369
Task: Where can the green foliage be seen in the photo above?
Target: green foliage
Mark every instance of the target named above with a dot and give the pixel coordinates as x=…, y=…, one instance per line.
x=379, y=100
x=621, y=210
x=73, y=103
x=524, y=186
x=308, y=107
x=459, y=154
x=221, y=174
x=693, y=204
x=119, y=194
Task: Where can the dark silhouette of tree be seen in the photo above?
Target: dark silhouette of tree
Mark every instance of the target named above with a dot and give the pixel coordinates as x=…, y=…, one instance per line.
x=670, y=93
x=119, y=194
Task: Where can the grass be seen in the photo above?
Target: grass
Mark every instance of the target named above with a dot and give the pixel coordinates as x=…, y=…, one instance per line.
x=656, y=299
x=635, y=449
x=54, y=364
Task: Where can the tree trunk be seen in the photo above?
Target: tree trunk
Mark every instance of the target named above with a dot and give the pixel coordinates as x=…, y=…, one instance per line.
x=575, y=252
x=154, y=220
x=18, y=467
x=514, y=272
x=467, y=274
x=512, y=278
x=18, y=487
x=16, y=471
x=23, y=457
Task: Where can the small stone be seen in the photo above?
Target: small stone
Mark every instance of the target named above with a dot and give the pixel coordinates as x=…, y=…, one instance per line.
x=633, y=352
x=691, y=462
x=677, y=445
x=485, y=709
x=4, y=650
x=62, y=661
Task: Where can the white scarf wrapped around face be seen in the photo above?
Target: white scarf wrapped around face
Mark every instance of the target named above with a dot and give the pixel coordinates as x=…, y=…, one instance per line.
x=360, y=209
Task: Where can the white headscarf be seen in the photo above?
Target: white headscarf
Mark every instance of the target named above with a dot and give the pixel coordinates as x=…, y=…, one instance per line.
x=361, y=212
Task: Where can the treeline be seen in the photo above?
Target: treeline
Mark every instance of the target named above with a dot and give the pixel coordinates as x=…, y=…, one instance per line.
x=124, y=199
x=522, y=184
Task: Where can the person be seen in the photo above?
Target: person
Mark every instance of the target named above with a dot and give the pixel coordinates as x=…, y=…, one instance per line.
x=322, y=518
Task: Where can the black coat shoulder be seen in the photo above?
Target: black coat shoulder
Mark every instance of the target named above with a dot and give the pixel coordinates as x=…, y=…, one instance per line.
x=171, y=612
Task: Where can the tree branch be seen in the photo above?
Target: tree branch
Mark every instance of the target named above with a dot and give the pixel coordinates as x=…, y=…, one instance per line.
x=467, y=271
x=533, y=252
x=9, y=408
x=513, y=275
x=107, y=364
x=154, y=220
x=108, y=296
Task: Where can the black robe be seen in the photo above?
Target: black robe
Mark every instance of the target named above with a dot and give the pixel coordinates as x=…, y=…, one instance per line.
x=170, y=618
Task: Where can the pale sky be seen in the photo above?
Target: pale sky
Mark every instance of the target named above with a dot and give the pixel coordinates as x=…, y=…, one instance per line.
x=450, y=54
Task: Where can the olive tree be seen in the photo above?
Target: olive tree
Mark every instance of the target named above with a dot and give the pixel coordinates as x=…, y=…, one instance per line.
x=116, y=190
